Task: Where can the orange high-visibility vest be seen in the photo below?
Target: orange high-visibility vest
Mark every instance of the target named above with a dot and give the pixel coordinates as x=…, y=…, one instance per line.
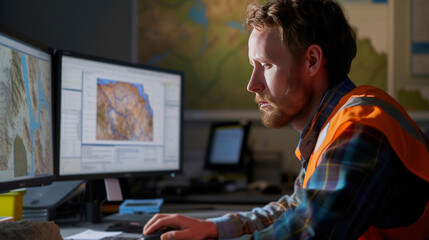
x=372, y=107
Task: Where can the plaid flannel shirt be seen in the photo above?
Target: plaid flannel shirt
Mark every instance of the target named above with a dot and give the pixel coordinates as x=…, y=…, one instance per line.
x=359, y=183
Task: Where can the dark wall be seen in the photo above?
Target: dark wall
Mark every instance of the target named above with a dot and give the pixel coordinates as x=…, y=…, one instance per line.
x=103, y=28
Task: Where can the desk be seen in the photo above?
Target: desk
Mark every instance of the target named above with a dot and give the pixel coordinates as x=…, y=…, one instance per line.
x=196, y=210
x=72, y=229
x=193, y=205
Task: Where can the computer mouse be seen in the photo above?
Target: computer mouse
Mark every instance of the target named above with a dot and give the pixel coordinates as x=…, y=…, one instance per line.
x=132, y=227
x=155, y=235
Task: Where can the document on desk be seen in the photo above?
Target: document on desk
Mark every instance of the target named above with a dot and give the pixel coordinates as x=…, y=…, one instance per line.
x=91, y=235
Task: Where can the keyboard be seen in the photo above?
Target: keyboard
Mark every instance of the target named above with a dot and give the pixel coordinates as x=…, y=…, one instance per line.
x=134, y=236
x=125, y=236
x=139, y=218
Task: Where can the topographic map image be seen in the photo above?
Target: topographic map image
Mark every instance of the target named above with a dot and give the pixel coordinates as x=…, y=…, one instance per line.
x=208, y=41
x=123, y=112
x=25, y=115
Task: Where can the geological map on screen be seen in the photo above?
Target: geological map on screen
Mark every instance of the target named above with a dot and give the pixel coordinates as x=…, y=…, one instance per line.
x=123, y=111
x=25, y=114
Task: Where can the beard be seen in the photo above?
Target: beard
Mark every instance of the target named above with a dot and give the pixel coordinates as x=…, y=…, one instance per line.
x=273, y=118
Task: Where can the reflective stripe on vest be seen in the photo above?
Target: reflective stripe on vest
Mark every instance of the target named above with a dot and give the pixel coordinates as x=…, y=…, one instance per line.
x=362, y=105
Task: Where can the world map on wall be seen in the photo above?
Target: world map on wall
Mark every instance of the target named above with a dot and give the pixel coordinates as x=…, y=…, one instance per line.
x=207, y=40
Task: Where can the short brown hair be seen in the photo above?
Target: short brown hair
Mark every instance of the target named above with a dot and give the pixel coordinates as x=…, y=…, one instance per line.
x=302, y=23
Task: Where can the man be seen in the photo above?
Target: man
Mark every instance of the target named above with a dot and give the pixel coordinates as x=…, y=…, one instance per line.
x=365, y=164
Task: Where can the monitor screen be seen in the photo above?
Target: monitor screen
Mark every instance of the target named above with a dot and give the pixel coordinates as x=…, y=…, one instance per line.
x=26, y=126
x=118, y=119
x=227, y=145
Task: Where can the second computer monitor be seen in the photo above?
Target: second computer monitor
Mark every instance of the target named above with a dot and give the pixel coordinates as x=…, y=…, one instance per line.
x=227, y=146
x=118, y=119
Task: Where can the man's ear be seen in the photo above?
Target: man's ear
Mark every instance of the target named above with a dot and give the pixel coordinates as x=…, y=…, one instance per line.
x=315, y=60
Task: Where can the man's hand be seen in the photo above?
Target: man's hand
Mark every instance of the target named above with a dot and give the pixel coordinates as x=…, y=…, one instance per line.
x=183, y=227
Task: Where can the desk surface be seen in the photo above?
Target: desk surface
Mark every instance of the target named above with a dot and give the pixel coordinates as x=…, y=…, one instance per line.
x=72, y=229
x=193, y=205
x=196, y=210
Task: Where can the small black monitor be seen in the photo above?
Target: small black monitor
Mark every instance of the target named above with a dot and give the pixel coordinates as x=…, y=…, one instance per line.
x=227, y=146
x=117, y=119
x=26, y=126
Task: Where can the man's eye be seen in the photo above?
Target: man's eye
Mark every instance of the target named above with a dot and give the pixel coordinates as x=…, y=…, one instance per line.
x=266, y=66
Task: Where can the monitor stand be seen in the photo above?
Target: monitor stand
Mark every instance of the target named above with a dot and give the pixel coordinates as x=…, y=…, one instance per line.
x=113, y=192
x=93, y=212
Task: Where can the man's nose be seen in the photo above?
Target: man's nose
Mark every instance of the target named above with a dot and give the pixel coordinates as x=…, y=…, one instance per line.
x=256, y=81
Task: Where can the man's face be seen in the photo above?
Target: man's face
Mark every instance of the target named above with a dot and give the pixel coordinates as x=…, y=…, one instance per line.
x=278, y=81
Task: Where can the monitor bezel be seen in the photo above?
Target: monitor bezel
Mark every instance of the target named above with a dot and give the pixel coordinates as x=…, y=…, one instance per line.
x=9, y=185
x=240, y=165
x=91, y=176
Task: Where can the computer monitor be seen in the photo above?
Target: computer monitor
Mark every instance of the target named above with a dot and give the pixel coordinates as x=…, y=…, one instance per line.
x=26, y=126
x=117, y=119
x=227, y=146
